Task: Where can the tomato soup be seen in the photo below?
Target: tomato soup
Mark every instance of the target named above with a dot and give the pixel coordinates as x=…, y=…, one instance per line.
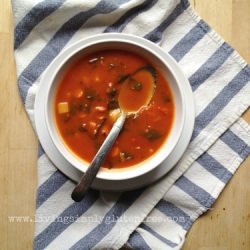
x=86, y=106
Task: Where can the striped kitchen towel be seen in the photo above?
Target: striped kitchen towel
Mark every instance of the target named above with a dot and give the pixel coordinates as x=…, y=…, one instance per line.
x=159, y=216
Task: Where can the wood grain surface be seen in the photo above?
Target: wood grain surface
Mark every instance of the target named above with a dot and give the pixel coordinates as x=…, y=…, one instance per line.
x=226, y=226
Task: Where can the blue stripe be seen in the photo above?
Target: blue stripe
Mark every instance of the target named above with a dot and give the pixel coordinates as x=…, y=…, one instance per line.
x=49, y=187
x=58, y=41
x=121, y=23
x=236, y=144
x=189, y=40
x=220, y=101
x=136, y=241
x=158, y=236
x=109, y=220
x=65, y=219
x=210, y=66
x=40, y=150
x=156, y=34
x=175, y=213
x=34, y=17
x=196, y=192
x=214, y=167
x=185, y=3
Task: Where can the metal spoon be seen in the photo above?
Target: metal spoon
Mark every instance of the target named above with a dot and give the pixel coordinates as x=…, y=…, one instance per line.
x=89, y=176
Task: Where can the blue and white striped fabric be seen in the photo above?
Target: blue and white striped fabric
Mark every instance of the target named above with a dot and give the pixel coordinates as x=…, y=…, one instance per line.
x=159, y=216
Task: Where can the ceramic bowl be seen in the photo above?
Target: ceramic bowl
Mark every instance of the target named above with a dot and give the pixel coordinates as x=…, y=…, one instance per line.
x=140, y=46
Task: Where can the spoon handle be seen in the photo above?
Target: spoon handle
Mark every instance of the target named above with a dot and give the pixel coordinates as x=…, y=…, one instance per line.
x=88, y=177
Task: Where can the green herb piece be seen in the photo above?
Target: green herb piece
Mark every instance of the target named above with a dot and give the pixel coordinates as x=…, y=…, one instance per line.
x=111, y=92
x=99, y=126
x=166, y=98
x=89, y=94
x=80, y=107
x=73, y=107
x=66, y=117
x=110, y=165
x=151, y=134
x=83, y=127
x=113, y=104
x=125, y=156
x=135, y=85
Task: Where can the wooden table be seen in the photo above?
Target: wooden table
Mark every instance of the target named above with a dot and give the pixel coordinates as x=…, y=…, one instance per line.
x=226, y=226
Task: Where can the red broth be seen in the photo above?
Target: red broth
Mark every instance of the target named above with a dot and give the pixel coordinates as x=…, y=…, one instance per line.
x=86, y=106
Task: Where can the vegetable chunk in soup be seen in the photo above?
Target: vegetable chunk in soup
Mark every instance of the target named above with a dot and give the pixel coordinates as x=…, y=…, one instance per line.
x=86, y=107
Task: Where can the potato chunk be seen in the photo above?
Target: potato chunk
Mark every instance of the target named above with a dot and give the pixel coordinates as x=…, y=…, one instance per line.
x=63, y=107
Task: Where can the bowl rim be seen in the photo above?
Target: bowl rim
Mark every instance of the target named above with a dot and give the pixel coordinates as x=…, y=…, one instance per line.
x=72, y=50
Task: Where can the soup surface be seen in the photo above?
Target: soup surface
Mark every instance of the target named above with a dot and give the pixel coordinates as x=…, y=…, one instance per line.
x=86, y=107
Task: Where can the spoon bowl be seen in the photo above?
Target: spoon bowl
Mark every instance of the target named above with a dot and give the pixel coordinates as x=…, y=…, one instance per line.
x=137, y=90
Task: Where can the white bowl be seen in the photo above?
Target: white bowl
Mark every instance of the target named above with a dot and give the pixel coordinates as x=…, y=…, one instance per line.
x=140, y=46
